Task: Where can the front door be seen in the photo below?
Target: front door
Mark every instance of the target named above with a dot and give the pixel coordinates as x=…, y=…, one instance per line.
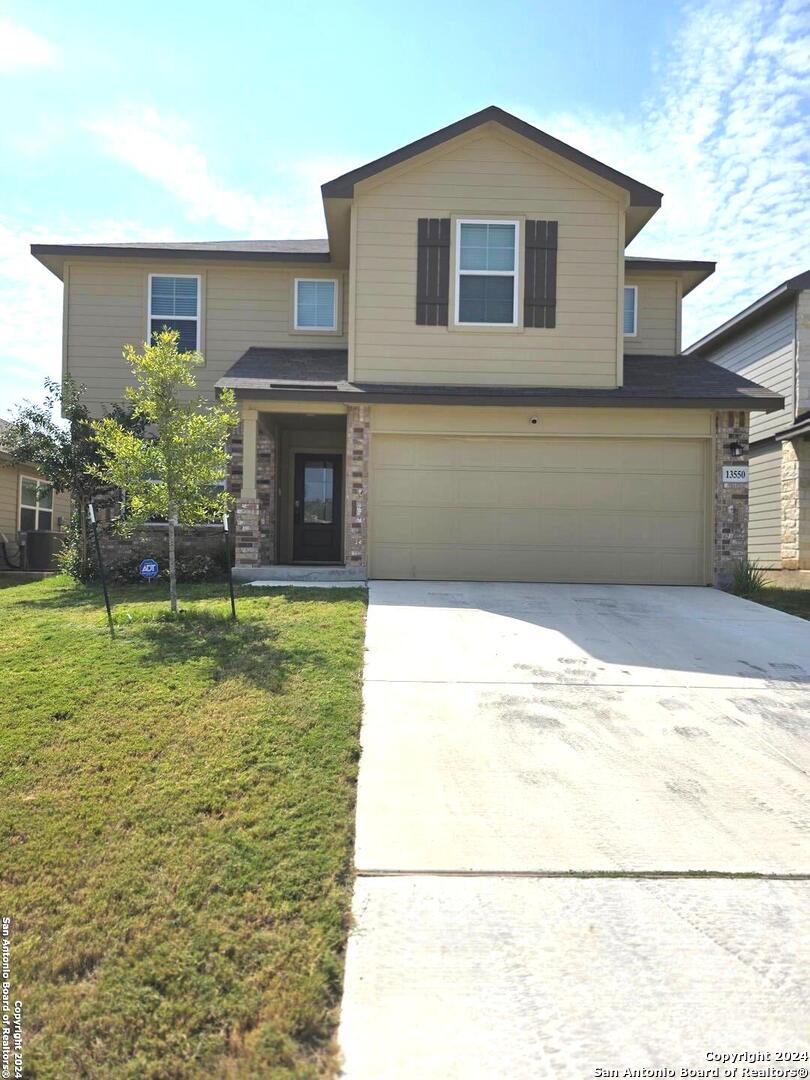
x=318, y=499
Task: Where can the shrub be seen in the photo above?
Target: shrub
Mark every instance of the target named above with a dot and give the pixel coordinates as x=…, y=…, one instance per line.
x=69, y=559
x=748, y=578
x=192, y=568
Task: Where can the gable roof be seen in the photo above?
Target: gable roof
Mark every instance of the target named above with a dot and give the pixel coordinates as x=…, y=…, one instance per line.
x=752, y=314
x=342, y=187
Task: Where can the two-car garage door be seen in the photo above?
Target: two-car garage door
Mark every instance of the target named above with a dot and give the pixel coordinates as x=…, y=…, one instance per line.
x=547, y=509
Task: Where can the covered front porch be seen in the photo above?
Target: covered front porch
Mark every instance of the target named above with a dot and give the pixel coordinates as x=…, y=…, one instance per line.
x=299, y=475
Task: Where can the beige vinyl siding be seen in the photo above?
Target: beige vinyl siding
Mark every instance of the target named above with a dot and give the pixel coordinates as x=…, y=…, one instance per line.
x=475, y=494
x=10, y=499
x=658, y=300
x=243, y=305
x=765, y=353
x=486, y=175
x=765, y=504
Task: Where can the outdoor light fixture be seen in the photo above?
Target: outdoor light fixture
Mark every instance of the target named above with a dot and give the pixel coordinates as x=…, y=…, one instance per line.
x=735, y=449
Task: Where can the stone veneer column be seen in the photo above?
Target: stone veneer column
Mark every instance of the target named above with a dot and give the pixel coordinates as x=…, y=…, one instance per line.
x=247, y=505
x=795, y=504
x=790, y=506
x=357, y=457
x=266, y=493
x=730, y=500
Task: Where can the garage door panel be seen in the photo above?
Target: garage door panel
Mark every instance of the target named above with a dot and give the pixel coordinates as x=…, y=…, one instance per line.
x=572, y=489
x=548, y=509
x=527, y=527
x=440, y=562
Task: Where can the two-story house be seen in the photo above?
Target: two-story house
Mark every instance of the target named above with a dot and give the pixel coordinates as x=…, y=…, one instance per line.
x=769, y=341
x=468, y=379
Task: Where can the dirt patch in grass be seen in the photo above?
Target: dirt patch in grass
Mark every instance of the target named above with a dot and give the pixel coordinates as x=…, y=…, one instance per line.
x=178, y=813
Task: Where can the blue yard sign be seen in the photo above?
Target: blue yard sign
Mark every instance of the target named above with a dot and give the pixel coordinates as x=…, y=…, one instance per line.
x=148, y=569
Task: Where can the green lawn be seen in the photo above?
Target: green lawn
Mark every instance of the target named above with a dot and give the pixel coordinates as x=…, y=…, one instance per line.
x=793, y=601
x=177, y=823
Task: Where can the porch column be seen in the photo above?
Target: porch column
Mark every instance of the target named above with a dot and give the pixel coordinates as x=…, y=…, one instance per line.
x=358, y=418
x=247, y=506
x=730, y=500
x=795, y=504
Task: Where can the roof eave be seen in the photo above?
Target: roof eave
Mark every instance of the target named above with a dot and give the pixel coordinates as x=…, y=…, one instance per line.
x=737, y=323
x=53, y=256
x=348, y=393
x=692, y=272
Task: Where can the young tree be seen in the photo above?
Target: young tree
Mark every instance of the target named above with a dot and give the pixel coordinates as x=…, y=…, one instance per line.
x=64, y=451
x=173, y=470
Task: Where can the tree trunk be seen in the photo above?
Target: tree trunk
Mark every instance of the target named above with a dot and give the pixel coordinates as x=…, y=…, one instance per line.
x=172, y=565
x=83, y=559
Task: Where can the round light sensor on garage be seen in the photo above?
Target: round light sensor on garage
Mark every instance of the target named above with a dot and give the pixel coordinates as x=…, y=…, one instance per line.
x=534, y=419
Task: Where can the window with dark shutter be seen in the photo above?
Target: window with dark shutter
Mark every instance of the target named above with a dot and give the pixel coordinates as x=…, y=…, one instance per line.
x=540, y=280
x=432, y=271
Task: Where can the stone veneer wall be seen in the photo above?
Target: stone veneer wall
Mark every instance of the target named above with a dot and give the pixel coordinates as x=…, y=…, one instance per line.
x=198, y=548
x=357, y=460
x=796, y=504
x=256, y=543
x=730, y=500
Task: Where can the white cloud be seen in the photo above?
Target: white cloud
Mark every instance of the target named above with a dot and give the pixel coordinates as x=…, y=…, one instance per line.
x=161, y=149
x=21, y=48
x=725, y=137
x=31, y=308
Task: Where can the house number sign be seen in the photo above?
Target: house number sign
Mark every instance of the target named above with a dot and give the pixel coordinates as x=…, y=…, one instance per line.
x=735, y=474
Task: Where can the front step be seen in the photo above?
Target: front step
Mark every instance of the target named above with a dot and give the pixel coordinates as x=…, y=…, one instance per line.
x=298, y=573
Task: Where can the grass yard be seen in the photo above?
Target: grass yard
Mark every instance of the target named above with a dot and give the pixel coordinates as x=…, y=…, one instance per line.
x=793, y=601
x=177, y=825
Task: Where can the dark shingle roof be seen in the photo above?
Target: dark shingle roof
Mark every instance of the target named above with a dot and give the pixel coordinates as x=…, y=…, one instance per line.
x=321, y=367
x=649, y=382
x=256, y=250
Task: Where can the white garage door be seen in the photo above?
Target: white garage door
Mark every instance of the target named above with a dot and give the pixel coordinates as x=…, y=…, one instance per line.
x=544, y=509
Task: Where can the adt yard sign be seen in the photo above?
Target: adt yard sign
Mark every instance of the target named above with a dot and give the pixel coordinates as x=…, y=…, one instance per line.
x=735, y=474
x=148, y=569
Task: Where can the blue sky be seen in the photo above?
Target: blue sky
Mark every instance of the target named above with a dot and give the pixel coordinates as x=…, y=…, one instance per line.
x=212, y=121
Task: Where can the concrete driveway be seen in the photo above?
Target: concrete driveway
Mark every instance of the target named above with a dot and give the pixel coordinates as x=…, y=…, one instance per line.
x=583, y=832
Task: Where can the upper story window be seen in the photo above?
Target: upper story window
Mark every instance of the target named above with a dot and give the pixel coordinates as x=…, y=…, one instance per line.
x=36, y=504
x=630, y=310
x=174, y=302
x=315, y=304
x=486, y=273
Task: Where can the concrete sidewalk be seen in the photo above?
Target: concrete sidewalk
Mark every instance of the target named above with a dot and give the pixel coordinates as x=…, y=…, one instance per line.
x=514, y=734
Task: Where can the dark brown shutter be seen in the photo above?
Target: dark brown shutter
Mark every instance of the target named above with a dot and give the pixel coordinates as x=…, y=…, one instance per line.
x=540, y=284
x=433, y=271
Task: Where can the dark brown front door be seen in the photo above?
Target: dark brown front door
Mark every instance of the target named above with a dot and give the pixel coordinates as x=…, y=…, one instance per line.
x=318, y=499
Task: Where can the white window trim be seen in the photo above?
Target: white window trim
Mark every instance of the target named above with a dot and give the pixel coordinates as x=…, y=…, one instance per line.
x=37, y=508
x=316, y=329
x=487, y=273
x=634, y=331
x=185, y=318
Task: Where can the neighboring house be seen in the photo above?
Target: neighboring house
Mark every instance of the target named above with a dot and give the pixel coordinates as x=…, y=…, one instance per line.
x=769, y=342
x=28, y=502
x=467, y=379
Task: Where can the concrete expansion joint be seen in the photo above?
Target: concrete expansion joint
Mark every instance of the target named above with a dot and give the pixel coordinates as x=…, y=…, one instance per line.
x=611, y=875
